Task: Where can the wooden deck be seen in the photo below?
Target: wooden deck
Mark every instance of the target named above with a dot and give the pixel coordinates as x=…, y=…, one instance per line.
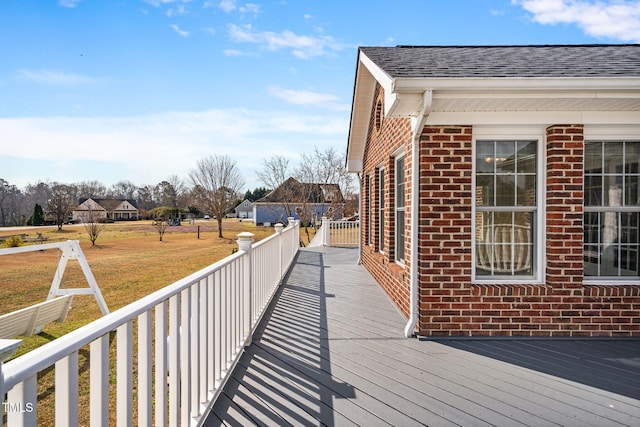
x=330, y=351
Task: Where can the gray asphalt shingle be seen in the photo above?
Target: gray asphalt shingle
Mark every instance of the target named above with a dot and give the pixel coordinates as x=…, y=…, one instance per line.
x=507, y=61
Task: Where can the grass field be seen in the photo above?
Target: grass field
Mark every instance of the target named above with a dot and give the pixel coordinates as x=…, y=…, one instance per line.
x=128, y=261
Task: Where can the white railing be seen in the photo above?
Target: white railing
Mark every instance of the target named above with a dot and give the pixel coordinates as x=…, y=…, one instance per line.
x=188, y=338
x=336, y=233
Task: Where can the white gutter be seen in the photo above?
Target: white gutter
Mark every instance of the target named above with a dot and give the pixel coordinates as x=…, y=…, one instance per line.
x=421, y=119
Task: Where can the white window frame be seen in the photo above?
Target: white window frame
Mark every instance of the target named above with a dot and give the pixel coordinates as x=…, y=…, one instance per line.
x=370, y=178
x=611, y=133
x=396, y=209
x=482, y=133
x=381, y=207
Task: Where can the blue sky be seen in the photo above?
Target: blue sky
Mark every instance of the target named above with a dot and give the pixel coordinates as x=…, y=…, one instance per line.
x=140, y=90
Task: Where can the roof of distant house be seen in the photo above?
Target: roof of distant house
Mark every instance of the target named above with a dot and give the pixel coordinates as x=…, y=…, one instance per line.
x=133, y=202
x=294, y=191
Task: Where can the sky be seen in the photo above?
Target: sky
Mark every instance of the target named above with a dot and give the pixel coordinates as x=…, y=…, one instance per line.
x=141, y=90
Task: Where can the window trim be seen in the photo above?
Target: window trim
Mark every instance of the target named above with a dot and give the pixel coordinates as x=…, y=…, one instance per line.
x=481, y=133
x=381, y=209
x=396, y=158
x=369, y=209
x=608, y=280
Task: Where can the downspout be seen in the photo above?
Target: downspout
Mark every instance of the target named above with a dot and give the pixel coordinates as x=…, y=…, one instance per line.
x=360, y=217
x=421, y=119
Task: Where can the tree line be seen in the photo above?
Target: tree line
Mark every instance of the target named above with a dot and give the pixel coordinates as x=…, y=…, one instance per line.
x=214, y=187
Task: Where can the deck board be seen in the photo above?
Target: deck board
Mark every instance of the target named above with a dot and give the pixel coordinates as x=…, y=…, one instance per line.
x=330, y=351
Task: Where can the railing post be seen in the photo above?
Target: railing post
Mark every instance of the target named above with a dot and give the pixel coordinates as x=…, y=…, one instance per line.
x=326, y=237
x=245, y=241
x=7, y=349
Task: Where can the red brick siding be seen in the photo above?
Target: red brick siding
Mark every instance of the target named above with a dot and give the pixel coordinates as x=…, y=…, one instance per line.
x=394, y=134
x=445, y=230
x=449, y=304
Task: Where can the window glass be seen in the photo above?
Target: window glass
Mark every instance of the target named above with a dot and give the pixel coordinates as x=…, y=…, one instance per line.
x=612, y=211
x=506, y=206
x=400, y=201
x=381, y=211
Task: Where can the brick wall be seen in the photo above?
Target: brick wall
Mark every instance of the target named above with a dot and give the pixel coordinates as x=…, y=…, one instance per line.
x=393, y=135
x=450, y=305
x=445, y=230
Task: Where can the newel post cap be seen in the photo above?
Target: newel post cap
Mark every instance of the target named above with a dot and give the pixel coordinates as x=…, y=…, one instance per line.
x=245, y=239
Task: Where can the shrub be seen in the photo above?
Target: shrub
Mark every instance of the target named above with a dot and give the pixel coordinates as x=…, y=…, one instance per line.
x=13, y=241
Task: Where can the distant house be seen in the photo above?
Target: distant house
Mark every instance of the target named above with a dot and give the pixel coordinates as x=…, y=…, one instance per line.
x=305, y=201
x=106, y=209
x=501, y=186
x=244, y=209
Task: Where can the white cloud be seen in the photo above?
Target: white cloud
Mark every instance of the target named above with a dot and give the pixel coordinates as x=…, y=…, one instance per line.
x=303, y=47
x=69, y=3
x=180, y=32
x=250, y=8
x=179, y=10
x=146, y=149
x=233, y=52
x=158, y=3
x=228, y=5
x=53, y=77
x=304, y=97
x=617, y=19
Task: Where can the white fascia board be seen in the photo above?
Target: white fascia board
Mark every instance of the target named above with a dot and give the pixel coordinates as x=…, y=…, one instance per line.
x=364, y=88
x=385, y=80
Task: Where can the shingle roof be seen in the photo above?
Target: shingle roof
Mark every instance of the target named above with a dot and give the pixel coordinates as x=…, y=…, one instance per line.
x=294, y=191
x=507, y=61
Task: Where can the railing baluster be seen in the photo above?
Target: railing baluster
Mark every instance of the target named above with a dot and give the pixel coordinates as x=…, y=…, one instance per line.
x=210, y=301
x=124, y=374
x=185, y=349
x=160, y=397
x=145, y=361
x=24, y=393
x=204, y=356
x=194, y=334
x=66, y=384
x=174, y=361
x=99, y=381
x=217, y=335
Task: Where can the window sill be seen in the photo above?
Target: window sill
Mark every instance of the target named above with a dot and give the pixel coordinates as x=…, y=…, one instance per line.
x=506, y=281
x=611, y=282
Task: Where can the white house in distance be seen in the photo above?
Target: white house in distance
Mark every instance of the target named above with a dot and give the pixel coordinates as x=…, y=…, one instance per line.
x=244, y=209
x=106, y=209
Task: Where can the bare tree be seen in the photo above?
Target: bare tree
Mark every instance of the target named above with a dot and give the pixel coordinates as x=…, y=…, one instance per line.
x=124, y=190
x=12, y=205
x=92, y=189
x=217, y=183
x=274, y=173
x=92, y=225
x=60, y=205
x=275, y=170
x=160, y=220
